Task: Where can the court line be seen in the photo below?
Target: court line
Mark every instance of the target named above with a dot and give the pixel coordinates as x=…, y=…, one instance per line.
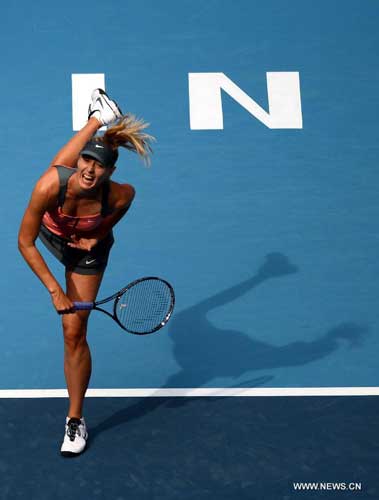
x=196, y=392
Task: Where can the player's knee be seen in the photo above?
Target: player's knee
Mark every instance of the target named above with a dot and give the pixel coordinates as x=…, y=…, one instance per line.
x=74, y=331
x=74, y=340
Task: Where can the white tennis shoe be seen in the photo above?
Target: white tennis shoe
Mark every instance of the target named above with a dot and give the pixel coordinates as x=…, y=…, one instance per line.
x=75, y=437
x=103, y=108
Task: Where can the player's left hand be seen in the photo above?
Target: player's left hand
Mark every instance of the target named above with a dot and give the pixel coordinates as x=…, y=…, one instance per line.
x=82, y=243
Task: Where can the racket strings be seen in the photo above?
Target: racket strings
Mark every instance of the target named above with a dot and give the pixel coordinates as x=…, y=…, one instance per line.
x=144, y=306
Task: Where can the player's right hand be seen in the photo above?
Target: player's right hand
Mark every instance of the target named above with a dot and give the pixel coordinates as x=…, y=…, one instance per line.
x=62, y=304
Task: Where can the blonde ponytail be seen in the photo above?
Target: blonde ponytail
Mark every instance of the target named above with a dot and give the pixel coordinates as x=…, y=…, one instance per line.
x=128, y=133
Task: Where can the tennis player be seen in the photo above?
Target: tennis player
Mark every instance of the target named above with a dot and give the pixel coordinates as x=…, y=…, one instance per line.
x=73, y=208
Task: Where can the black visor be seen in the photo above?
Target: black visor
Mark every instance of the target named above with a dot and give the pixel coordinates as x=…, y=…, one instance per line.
x=101, y=152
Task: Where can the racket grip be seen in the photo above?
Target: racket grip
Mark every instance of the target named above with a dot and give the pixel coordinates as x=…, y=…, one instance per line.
x=84, y=306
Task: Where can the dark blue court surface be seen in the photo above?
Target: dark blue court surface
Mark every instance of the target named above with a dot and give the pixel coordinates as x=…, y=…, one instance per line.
x=192, y=448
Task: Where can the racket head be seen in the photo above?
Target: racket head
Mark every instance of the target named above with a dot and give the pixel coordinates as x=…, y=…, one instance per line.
x=144, y=306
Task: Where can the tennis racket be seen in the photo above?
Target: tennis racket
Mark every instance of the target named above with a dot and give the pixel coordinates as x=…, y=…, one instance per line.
x=144, y=306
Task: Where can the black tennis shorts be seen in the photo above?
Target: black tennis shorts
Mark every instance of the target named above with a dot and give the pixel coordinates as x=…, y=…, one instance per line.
x=78, y=261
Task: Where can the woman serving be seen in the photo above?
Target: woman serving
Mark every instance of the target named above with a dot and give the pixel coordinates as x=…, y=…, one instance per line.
x=73, y=208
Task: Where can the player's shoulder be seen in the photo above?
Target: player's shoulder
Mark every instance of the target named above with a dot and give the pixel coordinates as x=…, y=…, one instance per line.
x=121, y=195
x=45, y=191
x=48, y=183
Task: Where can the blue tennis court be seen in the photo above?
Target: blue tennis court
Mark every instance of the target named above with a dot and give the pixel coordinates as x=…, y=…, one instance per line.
x=260, y=208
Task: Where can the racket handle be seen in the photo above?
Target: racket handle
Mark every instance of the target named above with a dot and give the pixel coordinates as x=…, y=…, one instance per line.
x=84, y=306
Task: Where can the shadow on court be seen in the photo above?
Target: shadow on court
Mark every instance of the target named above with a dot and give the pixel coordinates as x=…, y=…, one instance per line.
x=230, y=353
x=205, y=352
x=240, y=448
x=204, y=448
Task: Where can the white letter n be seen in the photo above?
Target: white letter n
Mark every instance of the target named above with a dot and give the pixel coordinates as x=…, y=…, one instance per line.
x=283, y=89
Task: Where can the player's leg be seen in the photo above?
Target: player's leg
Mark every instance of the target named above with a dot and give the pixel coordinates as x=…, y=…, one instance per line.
x=77, y=357
x=68, y=155
x=102, y=111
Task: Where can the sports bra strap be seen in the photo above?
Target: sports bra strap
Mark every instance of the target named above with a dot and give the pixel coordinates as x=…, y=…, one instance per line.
x=64, y=173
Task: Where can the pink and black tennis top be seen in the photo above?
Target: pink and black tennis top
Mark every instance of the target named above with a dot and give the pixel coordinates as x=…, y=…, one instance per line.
x=64, y=225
